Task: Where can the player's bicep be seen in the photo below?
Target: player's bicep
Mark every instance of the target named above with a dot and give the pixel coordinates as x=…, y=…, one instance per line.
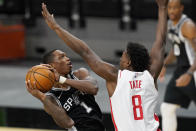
x=102, y=68
x=84, y=74
x=107, y=71
x=189, y=30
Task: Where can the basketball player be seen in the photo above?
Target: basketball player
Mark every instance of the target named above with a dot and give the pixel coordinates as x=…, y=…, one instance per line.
x=181, y=88
x=132, y=88
x=71, y=102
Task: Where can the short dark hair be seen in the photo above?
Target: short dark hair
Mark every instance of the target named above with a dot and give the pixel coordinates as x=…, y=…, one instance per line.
x=49, y=57
x=180, y=1
x=139, y=56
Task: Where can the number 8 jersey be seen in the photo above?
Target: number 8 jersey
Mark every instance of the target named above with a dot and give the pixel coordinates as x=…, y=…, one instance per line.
x=134, y=101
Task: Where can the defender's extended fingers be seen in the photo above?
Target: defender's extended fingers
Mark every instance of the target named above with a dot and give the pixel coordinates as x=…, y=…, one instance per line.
x=45, y=10
x=43, y=14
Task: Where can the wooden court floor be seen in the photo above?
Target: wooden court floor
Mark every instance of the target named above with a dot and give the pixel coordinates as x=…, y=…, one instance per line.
x=22, y=129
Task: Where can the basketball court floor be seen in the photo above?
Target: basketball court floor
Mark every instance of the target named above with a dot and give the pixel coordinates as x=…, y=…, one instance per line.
x=21, y=129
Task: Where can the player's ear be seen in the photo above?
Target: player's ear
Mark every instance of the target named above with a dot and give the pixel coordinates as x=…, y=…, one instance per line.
x=129, y=63
x=182, y=7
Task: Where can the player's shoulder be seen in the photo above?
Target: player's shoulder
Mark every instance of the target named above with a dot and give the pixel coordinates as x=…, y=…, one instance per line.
x=81, y=73
x=189, y=29
x=188, y=24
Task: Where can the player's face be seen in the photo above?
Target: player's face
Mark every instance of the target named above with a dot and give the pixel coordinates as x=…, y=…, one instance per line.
x=175, y=9
x=124, y=61
x=61, y=62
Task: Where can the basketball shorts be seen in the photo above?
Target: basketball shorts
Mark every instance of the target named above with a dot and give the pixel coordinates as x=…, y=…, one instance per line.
x=180, y=95
x=91, y=126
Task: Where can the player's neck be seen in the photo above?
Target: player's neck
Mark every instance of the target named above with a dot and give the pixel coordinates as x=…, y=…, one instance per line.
x=130, y=68
x=176, y=21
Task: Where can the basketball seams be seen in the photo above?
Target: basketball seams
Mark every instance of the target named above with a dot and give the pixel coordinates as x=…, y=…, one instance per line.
x=30, y=75
x=39, y=72
x=42, y=74
x=37, y=82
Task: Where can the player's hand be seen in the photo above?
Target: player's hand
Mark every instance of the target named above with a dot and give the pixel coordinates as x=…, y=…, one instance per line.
x=183, y=80
x=162, y=74
x=162, y=3
x=32, y=89
x=56, y=74
x=49, y=18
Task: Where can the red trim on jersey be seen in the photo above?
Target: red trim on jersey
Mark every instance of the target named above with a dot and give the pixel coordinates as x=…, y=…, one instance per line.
x=116, y=129
x=120, y=73
x=156, y=119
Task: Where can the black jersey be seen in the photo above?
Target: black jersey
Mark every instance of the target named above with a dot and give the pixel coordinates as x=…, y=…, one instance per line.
x=81, y=107
x=182, y=48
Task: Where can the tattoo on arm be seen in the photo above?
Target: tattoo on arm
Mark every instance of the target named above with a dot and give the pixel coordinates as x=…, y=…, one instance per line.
x=58, y=114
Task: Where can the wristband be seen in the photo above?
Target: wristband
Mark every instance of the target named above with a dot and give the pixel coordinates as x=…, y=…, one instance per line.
x=62, y=79
x=189, y=73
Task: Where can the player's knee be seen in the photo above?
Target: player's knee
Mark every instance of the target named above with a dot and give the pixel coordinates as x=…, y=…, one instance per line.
x=168, y=109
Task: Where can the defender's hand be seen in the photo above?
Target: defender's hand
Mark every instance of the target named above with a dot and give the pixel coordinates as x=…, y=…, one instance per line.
x=162, y=74
x=32, y=89
x=49, y=18
x=162, y=3
x=183, y=80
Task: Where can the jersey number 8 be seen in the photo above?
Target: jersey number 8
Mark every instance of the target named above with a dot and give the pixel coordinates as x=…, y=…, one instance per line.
x=137, y=107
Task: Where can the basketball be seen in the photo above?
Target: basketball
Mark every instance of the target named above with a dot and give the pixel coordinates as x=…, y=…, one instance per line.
x=42, y=76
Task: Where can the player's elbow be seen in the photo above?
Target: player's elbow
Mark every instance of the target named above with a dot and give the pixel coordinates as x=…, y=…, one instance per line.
x=94, y=91
x=66, y=124
x=69, y=124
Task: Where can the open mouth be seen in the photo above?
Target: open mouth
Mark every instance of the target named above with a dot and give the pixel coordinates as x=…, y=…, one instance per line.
x=70, y=64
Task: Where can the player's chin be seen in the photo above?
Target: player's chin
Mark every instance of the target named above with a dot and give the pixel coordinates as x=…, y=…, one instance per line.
x=172, y=17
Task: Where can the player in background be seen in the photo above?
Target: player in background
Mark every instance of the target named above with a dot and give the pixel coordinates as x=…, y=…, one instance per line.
x=181, y=89
x=132, y=88
x=71, y=102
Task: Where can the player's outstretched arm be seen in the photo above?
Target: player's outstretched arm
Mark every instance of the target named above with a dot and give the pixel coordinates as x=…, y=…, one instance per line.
x=158, y=49
x=58, y=114
x=103, y=69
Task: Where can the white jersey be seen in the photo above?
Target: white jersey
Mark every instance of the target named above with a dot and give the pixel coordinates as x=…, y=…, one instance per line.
x=134, y=101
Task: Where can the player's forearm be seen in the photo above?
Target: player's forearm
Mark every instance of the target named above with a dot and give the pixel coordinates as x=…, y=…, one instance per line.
x=170, y=58
x=58, y=114
x=193, y=67
x=162, y=27
x=73, y=42
x=83, y=85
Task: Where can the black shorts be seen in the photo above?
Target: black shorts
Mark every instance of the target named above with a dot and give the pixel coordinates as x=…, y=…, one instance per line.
x=90, y=125
x=180, y=95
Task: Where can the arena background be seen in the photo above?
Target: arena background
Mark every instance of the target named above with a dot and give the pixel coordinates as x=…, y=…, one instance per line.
x=24, y=38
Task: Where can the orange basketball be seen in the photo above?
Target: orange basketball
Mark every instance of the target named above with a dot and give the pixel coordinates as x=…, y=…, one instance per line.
x=42, y=76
